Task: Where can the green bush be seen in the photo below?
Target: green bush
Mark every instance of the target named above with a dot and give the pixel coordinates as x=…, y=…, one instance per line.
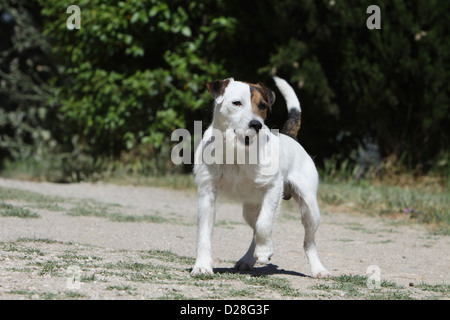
x=31, y=126
x=111, y=93
x=388, y=87
x=136, y=70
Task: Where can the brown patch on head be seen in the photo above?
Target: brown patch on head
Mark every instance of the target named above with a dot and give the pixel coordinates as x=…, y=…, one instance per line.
x=262, y=99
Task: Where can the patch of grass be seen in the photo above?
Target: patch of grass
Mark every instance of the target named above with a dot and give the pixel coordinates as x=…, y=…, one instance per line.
x=74, y=295
x=26, y=293
x=133, y=266
x=49, y=296
x=19, y=246
x=120, y=288
x=381, y=241
x=279, y=285
x=84, y=208
x=355, y=287
x=101, y=211
x=439, y=288
x=31, y=251
x=361, y=281
x=282, y=286
x=167, y=256
x=35, y=295
x=39, y=240
x=51, y=268
x=32, y=199
x=135, y=218
x=422, y=206
x=88, y=278
x=242, y=293
x=332, y=198
x=391, y=295
x=88, y=210
x=142, y=272
x=72, y=256
x=7, y=210
x=173, y=181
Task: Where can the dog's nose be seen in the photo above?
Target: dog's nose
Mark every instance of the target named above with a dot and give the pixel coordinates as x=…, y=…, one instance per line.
x=255, y=124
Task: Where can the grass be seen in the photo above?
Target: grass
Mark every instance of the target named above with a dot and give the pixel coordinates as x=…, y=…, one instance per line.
x=418, y=205
x=173, y=181
x=355, y=287
x=162, y=268
x=86, y=208
x=7, y=210
x=166, y=275
x=439, y=288
x=24, y=199
x=167, y=256
x=102, y=211
x=35, y=199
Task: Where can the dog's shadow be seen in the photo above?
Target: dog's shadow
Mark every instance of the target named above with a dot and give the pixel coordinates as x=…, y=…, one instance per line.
x=266, y=270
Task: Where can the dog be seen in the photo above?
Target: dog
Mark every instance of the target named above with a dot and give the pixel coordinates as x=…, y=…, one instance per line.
x=240, y=109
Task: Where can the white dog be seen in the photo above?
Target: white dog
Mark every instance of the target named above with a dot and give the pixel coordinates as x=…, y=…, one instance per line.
x=239, y=112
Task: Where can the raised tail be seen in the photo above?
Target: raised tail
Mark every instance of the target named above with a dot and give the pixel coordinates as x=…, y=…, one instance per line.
x=293, y=122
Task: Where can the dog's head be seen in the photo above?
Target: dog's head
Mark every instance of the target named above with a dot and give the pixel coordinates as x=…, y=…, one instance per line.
x=241, y=107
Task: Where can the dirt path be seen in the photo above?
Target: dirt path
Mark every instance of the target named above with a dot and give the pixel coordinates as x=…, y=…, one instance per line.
x=126, y=242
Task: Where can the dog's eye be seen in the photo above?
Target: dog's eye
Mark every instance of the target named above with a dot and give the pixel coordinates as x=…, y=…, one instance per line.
x=237, y=103
x=262, y=106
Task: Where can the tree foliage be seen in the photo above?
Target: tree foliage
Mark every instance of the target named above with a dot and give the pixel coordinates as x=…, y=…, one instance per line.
x=136, y=70
x=30, y=125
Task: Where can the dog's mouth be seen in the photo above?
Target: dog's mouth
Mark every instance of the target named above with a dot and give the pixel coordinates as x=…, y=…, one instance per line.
x=245, y=140
x=246, y=137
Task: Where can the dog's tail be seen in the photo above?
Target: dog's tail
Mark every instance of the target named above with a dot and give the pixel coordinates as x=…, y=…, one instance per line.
x=292, y=124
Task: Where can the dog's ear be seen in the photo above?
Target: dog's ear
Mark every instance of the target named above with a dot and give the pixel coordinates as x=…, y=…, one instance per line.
x=270, y=95
x=217, y=88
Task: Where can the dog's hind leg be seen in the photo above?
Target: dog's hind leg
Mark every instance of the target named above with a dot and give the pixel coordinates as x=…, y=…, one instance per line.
x=250, y=212
x=309, y=207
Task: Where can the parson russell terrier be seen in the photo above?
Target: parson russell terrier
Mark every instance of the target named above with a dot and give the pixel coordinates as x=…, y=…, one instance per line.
x=240, y=109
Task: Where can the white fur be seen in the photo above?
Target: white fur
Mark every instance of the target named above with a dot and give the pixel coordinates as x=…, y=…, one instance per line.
x=259, y=189
x=288, y=93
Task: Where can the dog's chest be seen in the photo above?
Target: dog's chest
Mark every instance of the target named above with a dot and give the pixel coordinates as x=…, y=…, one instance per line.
x=240, y=184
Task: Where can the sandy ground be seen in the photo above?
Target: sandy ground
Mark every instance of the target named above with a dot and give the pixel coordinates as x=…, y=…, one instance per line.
x=348, y=243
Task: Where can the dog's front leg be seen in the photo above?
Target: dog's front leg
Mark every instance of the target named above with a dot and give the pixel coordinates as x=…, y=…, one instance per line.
x=264, y=224
x=206, y=215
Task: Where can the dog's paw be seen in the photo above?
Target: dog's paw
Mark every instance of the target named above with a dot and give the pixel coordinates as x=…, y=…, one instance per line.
x=245, y=264
x=321, y=274
x=202, y=271
x=263, y=253
x=263, y=259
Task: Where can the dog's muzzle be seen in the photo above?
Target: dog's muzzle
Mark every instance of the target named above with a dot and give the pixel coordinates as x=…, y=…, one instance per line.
x=249, y=135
